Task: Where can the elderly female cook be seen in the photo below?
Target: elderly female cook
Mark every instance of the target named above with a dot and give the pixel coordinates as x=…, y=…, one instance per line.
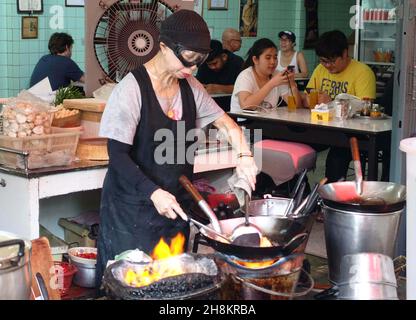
x=148, y=120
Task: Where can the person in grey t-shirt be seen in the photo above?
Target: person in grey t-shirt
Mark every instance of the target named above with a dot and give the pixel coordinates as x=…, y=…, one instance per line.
x=148, y=120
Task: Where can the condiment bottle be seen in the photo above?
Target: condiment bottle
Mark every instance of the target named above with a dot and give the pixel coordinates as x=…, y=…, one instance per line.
x=367, y=106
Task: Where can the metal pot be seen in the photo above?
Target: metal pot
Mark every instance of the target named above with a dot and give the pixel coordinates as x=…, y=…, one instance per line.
x=377, y=196
x=285, y=234
x=15, y=272
x=349, y=232
x=367, y=276
x=269, y=206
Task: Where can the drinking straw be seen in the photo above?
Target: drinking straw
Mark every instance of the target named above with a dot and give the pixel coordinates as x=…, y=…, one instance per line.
x=291, y=92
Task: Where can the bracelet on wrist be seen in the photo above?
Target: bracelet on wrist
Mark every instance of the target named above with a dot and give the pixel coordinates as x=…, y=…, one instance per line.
x=244, y=154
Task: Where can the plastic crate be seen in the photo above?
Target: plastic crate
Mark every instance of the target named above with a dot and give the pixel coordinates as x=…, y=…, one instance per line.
x=56, y=149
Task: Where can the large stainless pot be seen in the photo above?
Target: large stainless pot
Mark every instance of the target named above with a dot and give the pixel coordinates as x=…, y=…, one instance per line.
x=15, y=272
x=349, y=232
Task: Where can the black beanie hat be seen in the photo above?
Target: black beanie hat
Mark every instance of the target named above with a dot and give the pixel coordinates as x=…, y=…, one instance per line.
x=187, y=28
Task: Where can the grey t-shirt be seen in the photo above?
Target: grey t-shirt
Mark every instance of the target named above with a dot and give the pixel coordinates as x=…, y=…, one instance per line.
x=122, y=112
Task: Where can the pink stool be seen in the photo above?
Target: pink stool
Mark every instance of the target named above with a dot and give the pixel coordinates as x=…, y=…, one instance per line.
x=282, y=160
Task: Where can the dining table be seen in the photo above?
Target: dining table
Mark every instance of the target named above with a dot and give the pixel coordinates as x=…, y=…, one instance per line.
x=373, y=134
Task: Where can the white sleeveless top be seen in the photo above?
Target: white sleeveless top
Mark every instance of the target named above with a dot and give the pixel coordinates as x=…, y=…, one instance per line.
x=294, y=62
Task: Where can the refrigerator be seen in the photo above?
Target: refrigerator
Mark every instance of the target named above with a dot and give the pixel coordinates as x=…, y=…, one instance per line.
x=375, y=38
x=385, y=39
x=404, y=126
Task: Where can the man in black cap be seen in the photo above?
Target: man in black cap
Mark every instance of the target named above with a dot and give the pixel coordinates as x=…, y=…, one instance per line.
x=220, y=70
x=151, y=121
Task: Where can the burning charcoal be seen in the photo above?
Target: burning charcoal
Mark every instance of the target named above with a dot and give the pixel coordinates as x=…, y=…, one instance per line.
x=183, y=286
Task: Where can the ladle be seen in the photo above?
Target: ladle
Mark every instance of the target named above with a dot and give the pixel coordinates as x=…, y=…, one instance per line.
x=357, y=165
x=246, y=234
x=209, y=229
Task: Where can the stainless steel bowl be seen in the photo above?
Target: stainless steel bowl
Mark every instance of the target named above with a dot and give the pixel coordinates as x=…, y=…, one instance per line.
x=85, y=277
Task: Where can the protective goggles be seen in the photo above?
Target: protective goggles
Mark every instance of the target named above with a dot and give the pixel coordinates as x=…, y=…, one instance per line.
x=188, y=58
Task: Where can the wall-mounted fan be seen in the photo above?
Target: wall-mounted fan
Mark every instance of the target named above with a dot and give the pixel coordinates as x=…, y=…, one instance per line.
x=121, y=35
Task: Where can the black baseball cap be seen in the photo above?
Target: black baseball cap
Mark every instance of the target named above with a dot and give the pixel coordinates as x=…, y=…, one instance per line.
x=289, y=34
x=216, y=50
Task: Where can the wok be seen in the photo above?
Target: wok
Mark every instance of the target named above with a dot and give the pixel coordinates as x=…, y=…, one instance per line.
x=285, y=234
x=377, y=196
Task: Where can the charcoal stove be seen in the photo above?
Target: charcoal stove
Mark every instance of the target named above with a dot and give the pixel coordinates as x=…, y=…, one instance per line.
x=186, y=286
x=249, y=274
x=265, y=280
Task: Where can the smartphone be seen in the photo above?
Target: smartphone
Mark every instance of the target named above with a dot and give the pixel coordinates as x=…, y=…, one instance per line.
x=291, y=69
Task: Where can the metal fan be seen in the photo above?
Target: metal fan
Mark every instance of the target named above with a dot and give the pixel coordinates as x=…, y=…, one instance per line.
x=126, y=36
x=123, y=35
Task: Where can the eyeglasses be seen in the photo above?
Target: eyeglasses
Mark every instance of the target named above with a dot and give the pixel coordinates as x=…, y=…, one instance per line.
x=187, y=57
x=327, y=62
x=238, y=40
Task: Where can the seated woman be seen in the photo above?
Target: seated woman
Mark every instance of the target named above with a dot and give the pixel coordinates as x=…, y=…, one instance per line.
x=258, y=84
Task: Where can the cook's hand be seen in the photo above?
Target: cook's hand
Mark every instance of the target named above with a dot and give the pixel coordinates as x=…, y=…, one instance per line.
x=323, y=98
x=166, y=204
x=247, y=169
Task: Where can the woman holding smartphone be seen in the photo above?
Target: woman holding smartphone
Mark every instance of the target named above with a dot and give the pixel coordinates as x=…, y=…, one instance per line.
x=259, y=84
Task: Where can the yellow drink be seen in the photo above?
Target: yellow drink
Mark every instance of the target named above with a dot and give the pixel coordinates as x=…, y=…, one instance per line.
x=291, y=103
x=313, y=98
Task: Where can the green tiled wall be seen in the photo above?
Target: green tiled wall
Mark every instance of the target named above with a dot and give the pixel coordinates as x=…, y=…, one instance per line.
x=19, y=56
x=277, y=15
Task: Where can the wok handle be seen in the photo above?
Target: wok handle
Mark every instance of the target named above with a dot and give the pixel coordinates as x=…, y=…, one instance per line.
x=354, y=149
x=190, y=188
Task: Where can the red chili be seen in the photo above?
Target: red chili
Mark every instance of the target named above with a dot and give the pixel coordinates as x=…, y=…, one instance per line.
x=91, y=255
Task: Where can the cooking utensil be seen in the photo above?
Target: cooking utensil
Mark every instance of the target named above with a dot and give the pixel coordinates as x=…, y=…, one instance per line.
x=298, y=197
x=285, y=234
x=304, y=208
x=209, y=229
x=201, y=202
x=298, y=183
x=313, y=198
x=357, y=165
x=246, y=234
x=377, y=196
x=42, y=286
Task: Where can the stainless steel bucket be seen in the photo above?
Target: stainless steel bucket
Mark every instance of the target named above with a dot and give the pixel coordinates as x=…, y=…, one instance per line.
x=367, y=276
x=15, y=272
x=349, y=232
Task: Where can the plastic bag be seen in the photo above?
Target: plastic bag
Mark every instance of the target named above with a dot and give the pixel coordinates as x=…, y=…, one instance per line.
x=26, y=115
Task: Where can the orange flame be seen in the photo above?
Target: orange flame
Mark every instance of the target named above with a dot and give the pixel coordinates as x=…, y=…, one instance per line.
x=163, y=251
x=264, y=242
x=158, y=270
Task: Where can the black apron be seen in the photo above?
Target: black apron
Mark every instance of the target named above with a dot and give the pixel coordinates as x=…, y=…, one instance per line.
x=128, y=219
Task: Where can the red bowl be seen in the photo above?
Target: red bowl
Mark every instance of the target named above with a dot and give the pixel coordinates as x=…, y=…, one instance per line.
x=64, y=272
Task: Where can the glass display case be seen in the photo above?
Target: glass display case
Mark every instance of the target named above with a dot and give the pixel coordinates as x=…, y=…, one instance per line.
x=376, y=38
